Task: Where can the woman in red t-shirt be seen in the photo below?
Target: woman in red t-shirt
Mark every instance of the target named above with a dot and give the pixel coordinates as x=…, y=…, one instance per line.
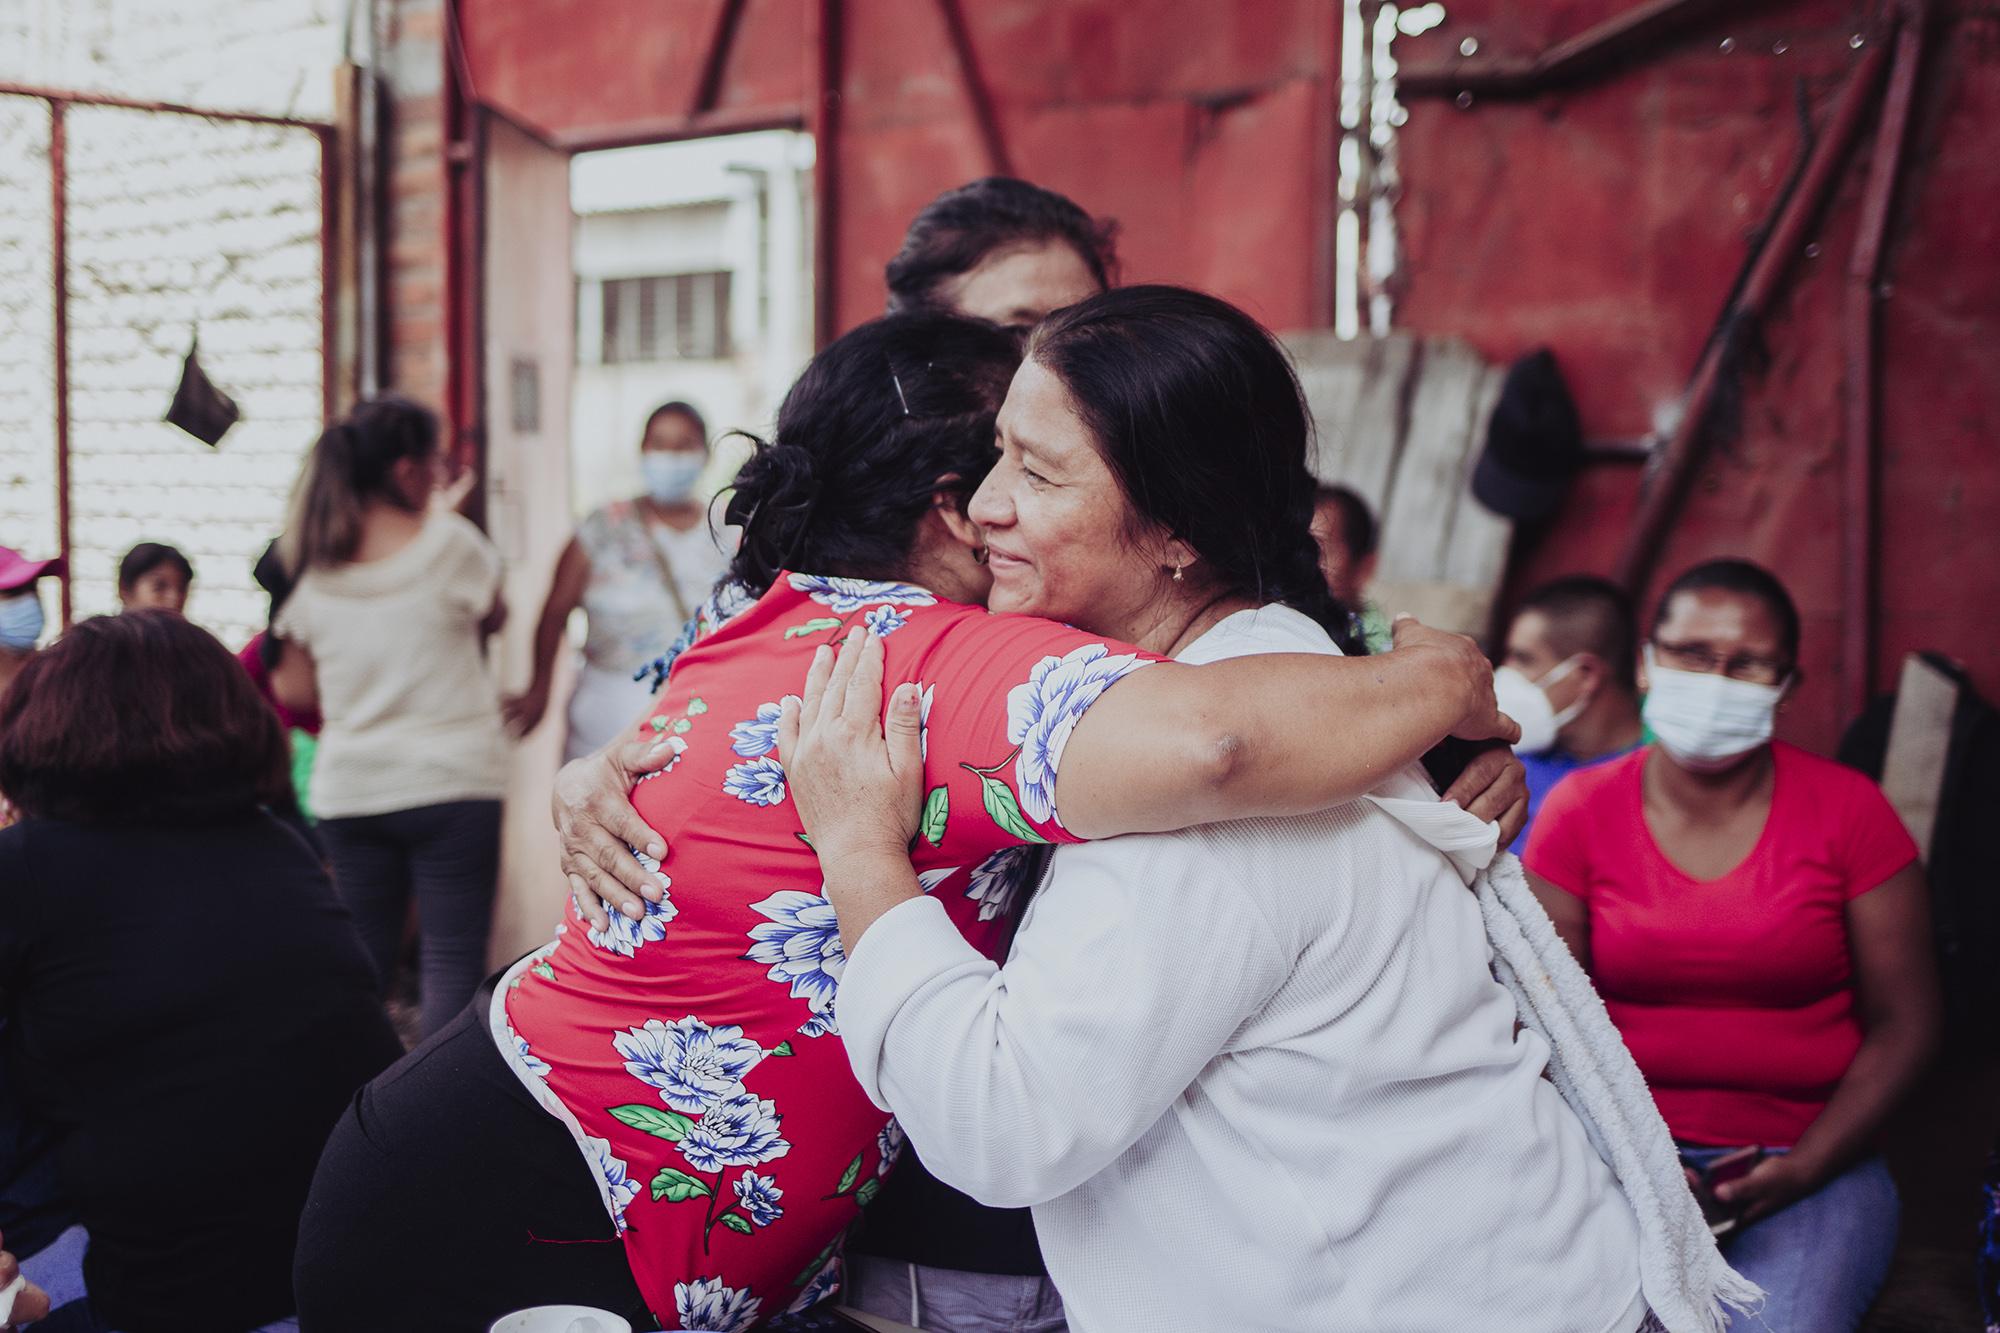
x=1757, y=923
x=667, y=1092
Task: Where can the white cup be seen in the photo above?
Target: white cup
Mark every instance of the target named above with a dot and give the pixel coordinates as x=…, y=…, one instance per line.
x=560, y=1319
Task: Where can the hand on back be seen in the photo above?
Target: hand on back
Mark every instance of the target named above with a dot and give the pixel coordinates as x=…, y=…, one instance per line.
x=1482, y=719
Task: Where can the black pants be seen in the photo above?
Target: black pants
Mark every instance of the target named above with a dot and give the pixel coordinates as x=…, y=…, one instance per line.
x=448, y=856
x=446, y=1198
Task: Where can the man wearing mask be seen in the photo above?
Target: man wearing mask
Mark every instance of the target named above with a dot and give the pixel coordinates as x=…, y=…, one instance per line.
x=639, y=568
x=1569, y=677
x=21, y=617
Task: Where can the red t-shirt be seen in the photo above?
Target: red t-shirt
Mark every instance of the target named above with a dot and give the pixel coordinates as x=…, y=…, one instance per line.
x=1733, y=994
x=694, y=1054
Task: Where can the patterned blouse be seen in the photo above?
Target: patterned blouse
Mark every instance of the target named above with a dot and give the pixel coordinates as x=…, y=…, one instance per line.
x=629, y=609
x=693, y=1053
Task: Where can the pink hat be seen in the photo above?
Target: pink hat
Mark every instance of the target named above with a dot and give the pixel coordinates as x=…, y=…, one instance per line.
x=17, y=571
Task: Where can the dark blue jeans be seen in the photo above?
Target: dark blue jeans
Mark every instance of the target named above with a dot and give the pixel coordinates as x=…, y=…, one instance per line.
x=445, y=856
x=1822, y=1259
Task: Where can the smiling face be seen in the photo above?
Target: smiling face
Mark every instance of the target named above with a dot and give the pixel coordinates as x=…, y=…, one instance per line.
x=1019, y=285
x=1062, y=539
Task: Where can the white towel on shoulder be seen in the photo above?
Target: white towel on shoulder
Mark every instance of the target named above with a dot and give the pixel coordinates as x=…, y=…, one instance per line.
x=1684, y=1277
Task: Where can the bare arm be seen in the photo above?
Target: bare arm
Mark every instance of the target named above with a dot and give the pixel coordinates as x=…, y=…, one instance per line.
x=294, y=681
x=1897, y=999
x=1270, y=734
x=1569, y=914
x=524, y=711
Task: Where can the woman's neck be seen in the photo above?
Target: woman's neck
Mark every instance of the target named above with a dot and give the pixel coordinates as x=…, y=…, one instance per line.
x=1178, y=619
x=1701, y=797
x=680, y=515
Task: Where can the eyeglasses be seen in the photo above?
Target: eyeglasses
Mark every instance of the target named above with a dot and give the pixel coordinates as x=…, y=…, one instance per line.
x=1737, y=666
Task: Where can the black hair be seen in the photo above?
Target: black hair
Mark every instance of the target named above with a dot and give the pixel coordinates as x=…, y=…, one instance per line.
x=864, y=440
x=146, y=557
x=680, y=409
x=1359, y=532
x=1747, y=580
x=1588, y=614
x=349, y=463
x=961, y=227
x=1197, y=411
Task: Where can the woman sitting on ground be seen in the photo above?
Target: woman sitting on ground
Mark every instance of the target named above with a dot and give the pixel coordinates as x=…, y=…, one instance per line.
x=1757, y=923
x=185, y=1001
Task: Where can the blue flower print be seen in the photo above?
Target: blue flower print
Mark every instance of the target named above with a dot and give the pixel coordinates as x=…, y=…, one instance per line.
x=924, y=721
x=884, y=621
x=996, y=881
x=618, y=1188
x=888, y=1146
x=1042, y=713
x=820, y=1025
x=930, y=879
x=801, y=944
x=693, y=1065
x=759, y=1196
x=524, y=1058
x=822, y=1286
x=759, y=735
x=624, y=936
x=845, y=595
x=759, y=782
x=739, y=1130
x=705, y=1305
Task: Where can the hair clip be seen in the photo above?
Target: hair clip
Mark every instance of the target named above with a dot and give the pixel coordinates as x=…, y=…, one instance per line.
x=897, y=381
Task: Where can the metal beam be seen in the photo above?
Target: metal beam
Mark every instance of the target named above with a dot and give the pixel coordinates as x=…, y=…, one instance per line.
x=168, y=108
x=708, y=91
x=1638, y=31
x=59, y=295
x=824, y=50
x=976, y=92
x=1863, y=354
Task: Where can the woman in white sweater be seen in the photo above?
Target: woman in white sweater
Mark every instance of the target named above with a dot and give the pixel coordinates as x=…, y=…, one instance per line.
x=384, y=633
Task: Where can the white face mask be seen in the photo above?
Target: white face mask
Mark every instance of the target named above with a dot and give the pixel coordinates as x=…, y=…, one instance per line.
x=1705, y=721
x=21, y=620
x=1527, y=702
x=670, y=473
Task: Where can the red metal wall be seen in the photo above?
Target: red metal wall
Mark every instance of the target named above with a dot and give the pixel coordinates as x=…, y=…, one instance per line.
x=1606, y=222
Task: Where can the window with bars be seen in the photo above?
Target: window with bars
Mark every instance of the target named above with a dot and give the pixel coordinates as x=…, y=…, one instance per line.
x=677, y=316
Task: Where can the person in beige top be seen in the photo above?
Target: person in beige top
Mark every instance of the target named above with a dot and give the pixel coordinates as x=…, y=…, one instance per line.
x=384, y=633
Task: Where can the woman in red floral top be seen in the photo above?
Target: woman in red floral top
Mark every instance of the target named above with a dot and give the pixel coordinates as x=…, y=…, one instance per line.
x=691, y=1054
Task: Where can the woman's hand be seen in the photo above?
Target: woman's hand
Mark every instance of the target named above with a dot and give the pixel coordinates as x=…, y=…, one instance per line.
x=1494, y=787
x=1481, y=719
x=592, y=807
x=30, y=1302
x=523, y=711
x=1779, y=1179
x=856, y=781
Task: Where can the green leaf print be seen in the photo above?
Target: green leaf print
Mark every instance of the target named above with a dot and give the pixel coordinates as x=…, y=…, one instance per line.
x=812, y=627
x=804, y=839
x=682, y=726
x=736, y=1222
x=937, y=809
x=544, y=971
x=866, y=1194
x=783, y=1048
x=696, y=708
x=659, y=724
x=661, y=1124
x=850, y=1175
x=811, y=1270
x=1005, y=809
x=677, y=1186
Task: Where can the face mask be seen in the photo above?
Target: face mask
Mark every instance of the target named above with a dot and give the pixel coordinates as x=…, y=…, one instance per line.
x=1705, y=721
x=20, y=621
x=670, y=474
x=1527, y=702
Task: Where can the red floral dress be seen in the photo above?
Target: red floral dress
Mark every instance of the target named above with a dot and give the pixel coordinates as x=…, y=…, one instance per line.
x=694, y=1053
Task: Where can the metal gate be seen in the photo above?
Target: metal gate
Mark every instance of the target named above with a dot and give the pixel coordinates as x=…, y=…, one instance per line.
x=128, y=230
